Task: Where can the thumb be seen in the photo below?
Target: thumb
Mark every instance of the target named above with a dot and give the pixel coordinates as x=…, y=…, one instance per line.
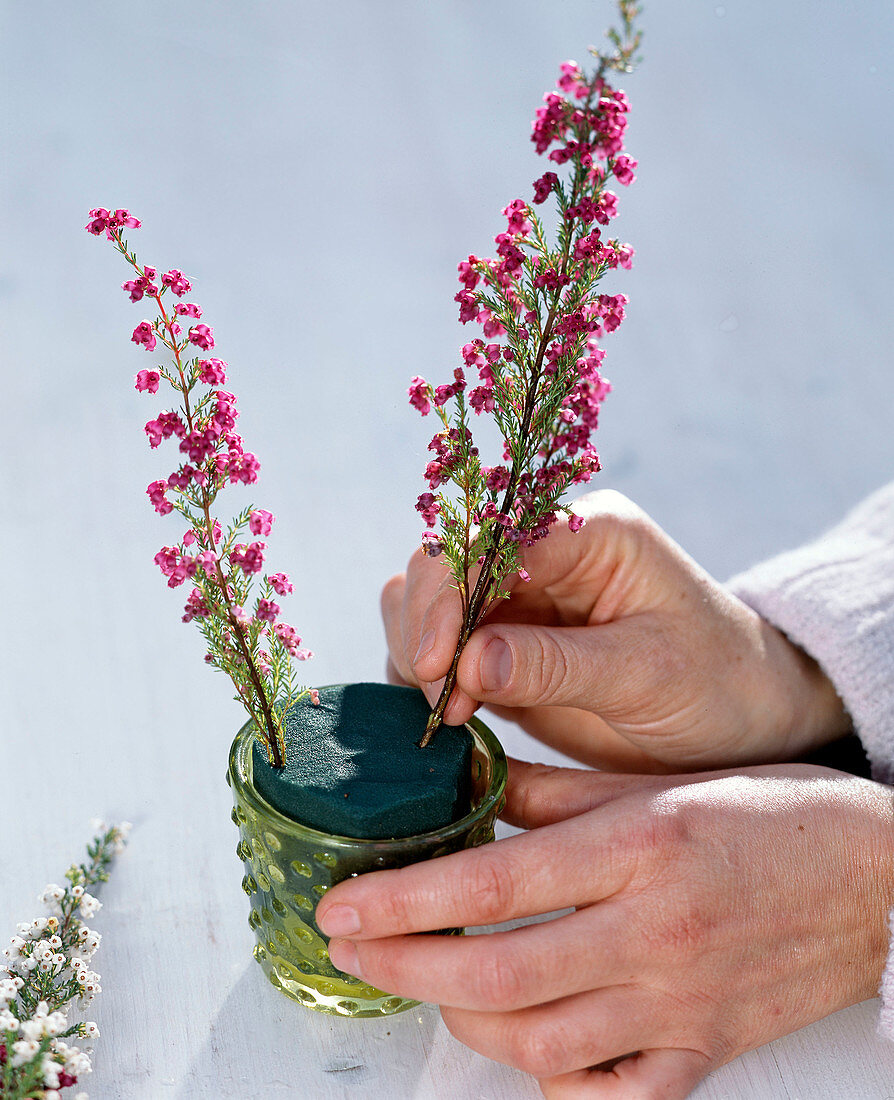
x=608, y=669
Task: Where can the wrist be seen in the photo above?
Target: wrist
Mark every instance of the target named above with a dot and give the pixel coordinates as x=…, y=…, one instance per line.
x=806, y=710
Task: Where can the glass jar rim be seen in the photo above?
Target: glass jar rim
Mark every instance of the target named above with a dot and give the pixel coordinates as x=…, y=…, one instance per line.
x=240, y=775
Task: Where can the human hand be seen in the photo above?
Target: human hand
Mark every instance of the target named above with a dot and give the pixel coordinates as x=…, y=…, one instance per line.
x=713, y=913
x=620, y=651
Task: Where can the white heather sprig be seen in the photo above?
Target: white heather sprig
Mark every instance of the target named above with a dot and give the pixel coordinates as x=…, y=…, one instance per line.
x=539, y=365
x=44, y=970
x=245, y=636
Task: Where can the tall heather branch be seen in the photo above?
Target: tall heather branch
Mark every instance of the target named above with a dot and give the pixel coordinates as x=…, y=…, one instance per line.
x=538, y=365
x=245, y=636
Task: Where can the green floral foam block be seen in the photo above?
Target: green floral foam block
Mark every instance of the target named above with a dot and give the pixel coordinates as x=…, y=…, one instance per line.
x=354, y=768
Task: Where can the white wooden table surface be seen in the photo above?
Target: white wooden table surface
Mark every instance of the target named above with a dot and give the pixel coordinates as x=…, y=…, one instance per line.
x=318, y=171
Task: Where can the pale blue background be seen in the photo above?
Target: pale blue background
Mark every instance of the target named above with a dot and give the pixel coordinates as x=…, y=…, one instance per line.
x=318, y=171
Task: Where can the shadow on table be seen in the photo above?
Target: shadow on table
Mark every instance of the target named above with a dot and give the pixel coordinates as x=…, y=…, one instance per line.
x=262, y=1044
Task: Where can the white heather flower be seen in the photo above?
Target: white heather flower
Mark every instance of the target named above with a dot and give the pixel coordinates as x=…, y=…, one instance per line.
x=91, y=1030
x=38, y=927
x=98, y=825
x=50, y=1069
x=77, y=891
x=8, y=1022
x=23, y=928
x=52, y=1094
x=23, y=1050
x=8, y=990
x=90, y=906
x=52, y=892
x=55, y=942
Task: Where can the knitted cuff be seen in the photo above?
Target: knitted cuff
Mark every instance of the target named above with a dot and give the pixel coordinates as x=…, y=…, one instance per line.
x=835, y=599
x=886, y=992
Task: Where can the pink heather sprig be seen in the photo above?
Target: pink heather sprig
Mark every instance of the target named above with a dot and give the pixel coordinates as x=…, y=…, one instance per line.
x=245, y=635
x=536, y=369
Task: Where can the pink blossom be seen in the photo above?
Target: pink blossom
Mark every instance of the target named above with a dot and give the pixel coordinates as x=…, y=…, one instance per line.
x=468, y=276
x=101, y=220
x=428, y=507
x=177, y=281
x=136, y=288
x=281, y=584
x=575, y=522
x=243, y=467
x=419, y=393
x=524, y=575
x=156, y=493
x=543, y=187
x=267, y=610
x=147, y=380
x=315, y=697
x=260, y=522
x=443, y=394
x=195, y=608
x=608, y=207
x=432, y=546
x=623, y=169
x=166, y=559
x=212, y=371
x=481, y=399
x=143, y=334
x=288, y=638
x=496, y=478
x=625, y=255
x=516, y=212
x=206, y=560
x=199, y=445
x=250, y=559
x=468, y=306
x=188, y=309
x=202, y=336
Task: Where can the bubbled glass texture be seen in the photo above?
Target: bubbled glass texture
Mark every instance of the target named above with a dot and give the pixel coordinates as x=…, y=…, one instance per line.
x=289, y=867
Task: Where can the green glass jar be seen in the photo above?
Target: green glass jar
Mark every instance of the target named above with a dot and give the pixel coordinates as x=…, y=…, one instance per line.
x=289, y=867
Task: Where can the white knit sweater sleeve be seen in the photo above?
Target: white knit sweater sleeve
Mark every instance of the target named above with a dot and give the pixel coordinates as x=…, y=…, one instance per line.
x=835, y=599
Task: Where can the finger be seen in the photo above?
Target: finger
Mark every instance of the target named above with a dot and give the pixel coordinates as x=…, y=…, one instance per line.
x=516, y=877
x=500, y=971
x=392, y=676
x=542, y=794
x=432, y=617
x=573, y=1033
x=391, y=604
x=659, y=1074
x=614, y=669
x=583, y=736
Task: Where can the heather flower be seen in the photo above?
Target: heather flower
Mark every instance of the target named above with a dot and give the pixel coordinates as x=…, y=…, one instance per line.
x=212, y=372
x=541, y=311
x=202, y=337
x=260, y=522
x=147, y=381
x=256, y=651
x=144, y=335
x=280, y=584
x=45, y=973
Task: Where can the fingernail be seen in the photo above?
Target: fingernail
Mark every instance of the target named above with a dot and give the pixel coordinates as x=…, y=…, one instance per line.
x=425, y=645
x=343, y=955
x=495, y=666
x=340, y=920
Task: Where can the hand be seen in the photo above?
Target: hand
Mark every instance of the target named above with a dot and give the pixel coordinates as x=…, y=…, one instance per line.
x=713, y=913
x=620, y=651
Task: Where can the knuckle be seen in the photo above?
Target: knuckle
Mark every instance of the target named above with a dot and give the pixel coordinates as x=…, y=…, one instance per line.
x=499, y=981
x=490, y=888
x=535, y=1048
x=549, y=669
